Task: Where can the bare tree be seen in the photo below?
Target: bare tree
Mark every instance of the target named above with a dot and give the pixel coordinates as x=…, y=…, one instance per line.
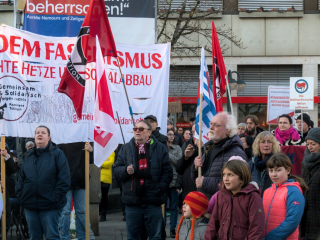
x=187, y=17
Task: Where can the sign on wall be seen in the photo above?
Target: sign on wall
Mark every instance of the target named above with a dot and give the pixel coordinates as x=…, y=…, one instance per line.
x=132, y=21
x=301, y=93
x=32, y=65
x=278, y=103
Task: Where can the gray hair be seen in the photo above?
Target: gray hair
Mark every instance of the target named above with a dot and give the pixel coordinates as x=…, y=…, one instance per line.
x=242, y=125
x=231, y=123
x=29, y=143
x=169, y=122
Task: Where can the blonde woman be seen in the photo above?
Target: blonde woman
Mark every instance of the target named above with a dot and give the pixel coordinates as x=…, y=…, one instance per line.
x=264, y=146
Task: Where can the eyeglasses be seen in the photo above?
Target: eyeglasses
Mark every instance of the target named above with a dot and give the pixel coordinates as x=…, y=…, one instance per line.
x=250, y=123
x=170, y=135
x=141, y=129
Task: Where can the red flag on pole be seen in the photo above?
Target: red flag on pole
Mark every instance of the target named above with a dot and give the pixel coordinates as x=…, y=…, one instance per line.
x=220, y=77
x=105, y=132
x=84, y=51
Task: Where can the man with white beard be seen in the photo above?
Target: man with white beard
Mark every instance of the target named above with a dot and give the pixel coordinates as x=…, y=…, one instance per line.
x=224, y=143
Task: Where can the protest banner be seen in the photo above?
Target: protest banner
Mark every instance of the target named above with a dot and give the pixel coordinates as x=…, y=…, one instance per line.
x=278, y=103
x=32, y=65
x=296, y=154
x=132, y=21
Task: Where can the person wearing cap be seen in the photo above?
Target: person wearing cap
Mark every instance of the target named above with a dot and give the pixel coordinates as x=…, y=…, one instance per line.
x=310, y=172
x=156, y=130
x=306, y=126
x=194, y=221
x=252, y=128
x=145, y=178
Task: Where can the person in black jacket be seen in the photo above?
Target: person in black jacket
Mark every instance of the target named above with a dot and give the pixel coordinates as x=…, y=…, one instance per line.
x=156, y=130
x=184, y=165
x=11, y=169
x=75, y=153
x=43, y=183
x=178, y=139
x=145, y=177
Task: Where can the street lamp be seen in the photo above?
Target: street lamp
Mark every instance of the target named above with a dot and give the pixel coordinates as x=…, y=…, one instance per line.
x=240, y=85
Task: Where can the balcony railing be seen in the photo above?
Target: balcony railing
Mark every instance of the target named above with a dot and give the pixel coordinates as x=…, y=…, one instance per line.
x=270, y=4
x=205, y=5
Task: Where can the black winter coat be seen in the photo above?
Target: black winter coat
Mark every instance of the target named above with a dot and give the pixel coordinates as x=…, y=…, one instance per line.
x=75, y=154
x=184, y=168
x=160, y=169
x=160, y=137
x=232, y=147
x=44, y=179
x=310, y=224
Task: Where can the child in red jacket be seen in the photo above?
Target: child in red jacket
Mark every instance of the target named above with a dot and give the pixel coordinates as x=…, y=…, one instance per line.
x=283, y=202
x=238, y=212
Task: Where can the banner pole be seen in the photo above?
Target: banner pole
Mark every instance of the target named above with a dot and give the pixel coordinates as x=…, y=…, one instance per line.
x=87, y=199
x=200, y=132
x=3, y=184
x=125, y=89
x=301, y=124
x=124, y=142
x=229, y=98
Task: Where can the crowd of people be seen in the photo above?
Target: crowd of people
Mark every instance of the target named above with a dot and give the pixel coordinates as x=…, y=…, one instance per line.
x=246, y=189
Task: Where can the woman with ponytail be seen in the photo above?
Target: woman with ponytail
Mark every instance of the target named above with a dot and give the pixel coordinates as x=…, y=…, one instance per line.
x=194, y=221
x=283, y=202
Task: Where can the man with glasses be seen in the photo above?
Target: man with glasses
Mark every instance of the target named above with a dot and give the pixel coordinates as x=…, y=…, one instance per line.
x=224, y=143
x=156, y=130
x=252, y=126
x=145, y=171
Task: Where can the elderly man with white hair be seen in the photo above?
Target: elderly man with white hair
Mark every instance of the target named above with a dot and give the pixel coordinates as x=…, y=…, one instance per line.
x=224, y=143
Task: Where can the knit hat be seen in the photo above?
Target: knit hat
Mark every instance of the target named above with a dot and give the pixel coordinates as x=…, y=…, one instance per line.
x=198, y=204
x=314, y=134
x=237, y=158
x=306, y=119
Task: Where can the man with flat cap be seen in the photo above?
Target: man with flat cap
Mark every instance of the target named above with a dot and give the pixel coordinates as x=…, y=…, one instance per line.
x=156, y=130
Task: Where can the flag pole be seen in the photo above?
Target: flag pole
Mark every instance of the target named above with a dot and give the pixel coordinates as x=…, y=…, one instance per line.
x=200, y=132
x=229, y=94
x=124, y=143
x=125, y=89
x=87, y=199
x=3, y=185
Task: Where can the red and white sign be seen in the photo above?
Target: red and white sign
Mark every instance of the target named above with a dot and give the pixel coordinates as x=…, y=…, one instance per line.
x=278, y=103
x=183, y=125
x=32, y=65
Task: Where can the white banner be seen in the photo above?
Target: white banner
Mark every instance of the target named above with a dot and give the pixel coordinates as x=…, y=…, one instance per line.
x=31, y=66
x=278, y=103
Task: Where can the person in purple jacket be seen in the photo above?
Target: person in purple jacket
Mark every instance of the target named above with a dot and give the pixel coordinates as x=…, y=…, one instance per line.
x=238, y=211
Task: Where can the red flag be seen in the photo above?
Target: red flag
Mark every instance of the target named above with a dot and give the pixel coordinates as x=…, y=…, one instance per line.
x=105, y=132
x=220, y=76
x=84, y=51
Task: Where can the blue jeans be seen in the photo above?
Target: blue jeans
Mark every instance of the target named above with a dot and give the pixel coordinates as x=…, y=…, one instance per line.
x=78, y=196
x=147, y=214
x=173, y=196
x=43, y=222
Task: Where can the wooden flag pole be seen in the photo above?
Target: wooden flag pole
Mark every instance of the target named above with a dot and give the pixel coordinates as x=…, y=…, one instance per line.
x=3, y=184
x=87, y=199
x=125, y=89
x=200, y=132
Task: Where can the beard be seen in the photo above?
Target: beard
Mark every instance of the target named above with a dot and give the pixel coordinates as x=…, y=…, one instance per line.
x=213, y=137
x=251, y=132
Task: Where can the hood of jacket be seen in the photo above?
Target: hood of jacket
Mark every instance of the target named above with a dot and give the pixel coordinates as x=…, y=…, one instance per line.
x=250, y=188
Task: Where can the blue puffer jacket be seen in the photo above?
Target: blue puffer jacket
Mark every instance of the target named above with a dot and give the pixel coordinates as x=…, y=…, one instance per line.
x=44, y=179
x=160, y=169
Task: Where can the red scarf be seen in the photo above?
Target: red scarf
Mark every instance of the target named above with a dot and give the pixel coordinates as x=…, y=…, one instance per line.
x=143, y=161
